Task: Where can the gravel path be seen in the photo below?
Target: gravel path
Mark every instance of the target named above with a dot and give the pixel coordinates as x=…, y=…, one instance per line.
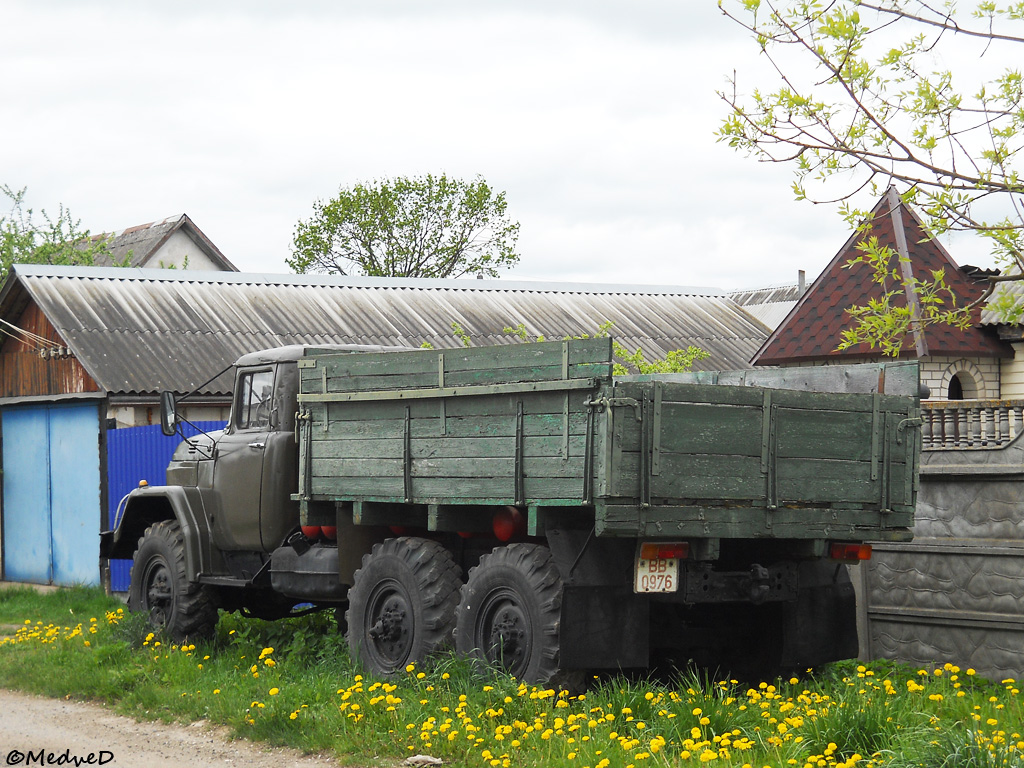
x=30, y=725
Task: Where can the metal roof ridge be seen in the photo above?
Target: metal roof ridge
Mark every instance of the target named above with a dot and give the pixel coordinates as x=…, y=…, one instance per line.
x=763, y=288
x=468, y=284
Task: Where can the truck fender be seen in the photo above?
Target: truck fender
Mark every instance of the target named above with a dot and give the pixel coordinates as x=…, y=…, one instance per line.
x=149, y=505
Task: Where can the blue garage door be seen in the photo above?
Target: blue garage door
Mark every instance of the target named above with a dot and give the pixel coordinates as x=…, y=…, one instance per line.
x=51, y=493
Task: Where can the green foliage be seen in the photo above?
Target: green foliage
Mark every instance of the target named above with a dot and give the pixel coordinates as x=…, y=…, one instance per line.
x=856, y=98
x=626, y=362
x=54, y=240
x=428, y=226
x=906, y=304
x=519, y=331
x=292, y=683
x=461, y=335
x=676, y=361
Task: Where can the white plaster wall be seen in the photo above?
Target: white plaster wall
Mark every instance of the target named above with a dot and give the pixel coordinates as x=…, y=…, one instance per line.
x=174, y=252
x=1012, y=373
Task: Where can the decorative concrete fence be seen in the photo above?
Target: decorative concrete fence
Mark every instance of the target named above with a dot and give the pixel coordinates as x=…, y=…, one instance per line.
x=956, y=592
x=970, y=423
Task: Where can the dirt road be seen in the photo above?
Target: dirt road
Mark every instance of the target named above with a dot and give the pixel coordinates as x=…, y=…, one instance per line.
x=37, y=731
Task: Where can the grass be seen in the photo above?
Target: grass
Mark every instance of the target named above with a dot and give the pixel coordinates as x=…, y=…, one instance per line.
x=292, y=683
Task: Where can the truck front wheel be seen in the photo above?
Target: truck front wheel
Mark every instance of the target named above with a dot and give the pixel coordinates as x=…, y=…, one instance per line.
x=401, y=607
x=510, y=612
x=160, y=587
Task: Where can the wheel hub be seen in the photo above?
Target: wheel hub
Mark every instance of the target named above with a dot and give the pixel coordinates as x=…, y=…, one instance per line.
x=159, y=595
x=389, y=625
x=506, y=646
x=390, y=621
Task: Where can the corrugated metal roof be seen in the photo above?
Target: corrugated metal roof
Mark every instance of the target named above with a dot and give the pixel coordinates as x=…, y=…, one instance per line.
x=770, y=305
x=1013, y=289
x=138, y=331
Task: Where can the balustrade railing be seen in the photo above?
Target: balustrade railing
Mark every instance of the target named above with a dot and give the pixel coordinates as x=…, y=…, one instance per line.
x=970, y=423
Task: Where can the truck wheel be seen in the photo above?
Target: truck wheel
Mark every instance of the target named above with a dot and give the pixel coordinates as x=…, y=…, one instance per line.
x=402, y=603
x=510, y=611
x=160, y=587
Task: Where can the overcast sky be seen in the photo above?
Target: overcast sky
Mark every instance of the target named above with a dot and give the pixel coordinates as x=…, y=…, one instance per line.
x=596, y=117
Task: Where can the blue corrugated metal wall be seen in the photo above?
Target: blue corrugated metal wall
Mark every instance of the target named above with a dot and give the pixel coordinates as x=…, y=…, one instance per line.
x=134, y=454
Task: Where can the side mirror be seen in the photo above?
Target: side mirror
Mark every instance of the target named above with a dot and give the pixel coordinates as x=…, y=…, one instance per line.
x=168, y=414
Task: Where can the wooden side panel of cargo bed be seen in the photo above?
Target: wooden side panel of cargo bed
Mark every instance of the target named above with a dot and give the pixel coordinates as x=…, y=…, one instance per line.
x=701, y=444
x=472, y=426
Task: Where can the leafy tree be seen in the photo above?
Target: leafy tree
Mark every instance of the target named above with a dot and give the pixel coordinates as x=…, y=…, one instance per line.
x=859, y=99
x=675, y=361
x=429, y=226
x=57, y=240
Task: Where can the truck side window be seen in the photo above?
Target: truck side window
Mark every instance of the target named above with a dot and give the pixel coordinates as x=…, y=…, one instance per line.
x=255, y=394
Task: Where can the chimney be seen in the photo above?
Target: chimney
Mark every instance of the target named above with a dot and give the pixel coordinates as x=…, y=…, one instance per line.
x=801, y=281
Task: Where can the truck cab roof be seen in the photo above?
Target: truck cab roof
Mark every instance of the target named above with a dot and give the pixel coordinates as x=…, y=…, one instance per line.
x=293, y=352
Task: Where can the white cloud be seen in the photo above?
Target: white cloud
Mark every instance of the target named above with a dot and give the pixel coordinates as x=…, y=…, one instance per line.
x=596, y=117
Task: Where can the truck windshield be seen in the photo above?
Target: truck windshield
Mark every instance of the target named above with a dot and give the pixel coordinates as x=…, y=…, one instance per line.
x=255, y=394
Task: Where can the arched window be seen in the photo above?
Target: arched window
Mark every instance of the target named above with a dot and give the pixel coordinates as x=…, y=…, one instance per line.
x=962, y=386
x=956, y=388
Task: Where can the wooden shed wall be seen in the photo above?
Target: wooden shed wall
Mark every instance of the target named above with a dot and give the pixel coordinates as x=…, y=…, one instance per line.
x=30, y=368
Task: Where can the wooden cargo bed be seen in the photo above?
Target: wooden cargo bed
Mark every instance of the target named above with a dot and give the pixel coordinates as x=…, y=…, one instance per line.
x=545, y=425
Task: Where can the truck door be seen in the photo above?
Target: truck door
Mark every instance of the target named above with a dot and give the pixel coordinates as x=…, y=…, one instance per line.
x=238, y=471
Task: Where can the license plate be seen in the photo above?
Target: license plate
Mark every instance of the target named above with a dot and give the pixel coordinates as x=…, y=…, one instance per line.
x=656, y=575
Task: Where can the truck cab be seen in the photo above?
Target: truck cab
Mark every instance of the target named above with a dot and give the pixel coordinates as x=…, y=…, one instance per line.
x=254, y=471
x=229, y=499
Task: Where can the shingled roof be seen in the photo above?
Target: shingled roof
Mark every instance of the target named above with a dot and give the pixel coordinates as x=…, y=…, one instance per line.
x=812, y=330
x=138, y=331
x=142, y=240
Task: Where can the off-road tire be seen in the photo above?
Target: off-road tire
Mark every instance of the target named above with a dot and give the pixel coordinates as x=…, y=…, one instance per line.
x=160, y=587
x=510, y=612
x=401, y=606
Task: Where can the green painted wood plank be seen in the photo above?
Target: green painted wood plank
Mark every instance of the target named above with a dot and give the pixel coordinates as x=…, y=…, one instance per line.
x=674, y=392
x=694, y=477
x=454, y=469
x=468, y=358
x=534, y=425
x=823, y=434
x=705, y=428
x=429, y=490
x=488, y=405
x=435, y=446
x=810, y=480
x=742, y=522
x=496, y=375
x=518, y=389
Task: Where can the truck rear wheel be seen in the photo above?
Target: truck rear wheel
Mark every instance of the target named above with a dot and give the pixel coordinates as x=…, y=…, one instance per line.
x=402, y=603
x=510, y=612
x=160, y=587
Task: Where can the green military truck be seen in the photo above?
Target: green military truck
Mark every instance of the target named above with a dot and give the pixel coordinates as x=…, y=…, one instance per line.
x=524, y=505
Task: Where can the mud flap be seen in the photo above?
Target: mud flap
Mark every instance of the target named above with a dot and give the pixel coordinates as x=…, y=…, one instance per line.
x=604, y=628
x=821, y=625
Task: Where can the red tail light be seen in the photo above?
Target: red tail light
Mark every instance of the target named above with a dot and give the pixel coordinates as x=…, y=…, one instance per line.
x=664, y=550
x=508, y=523
x=849, y=552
